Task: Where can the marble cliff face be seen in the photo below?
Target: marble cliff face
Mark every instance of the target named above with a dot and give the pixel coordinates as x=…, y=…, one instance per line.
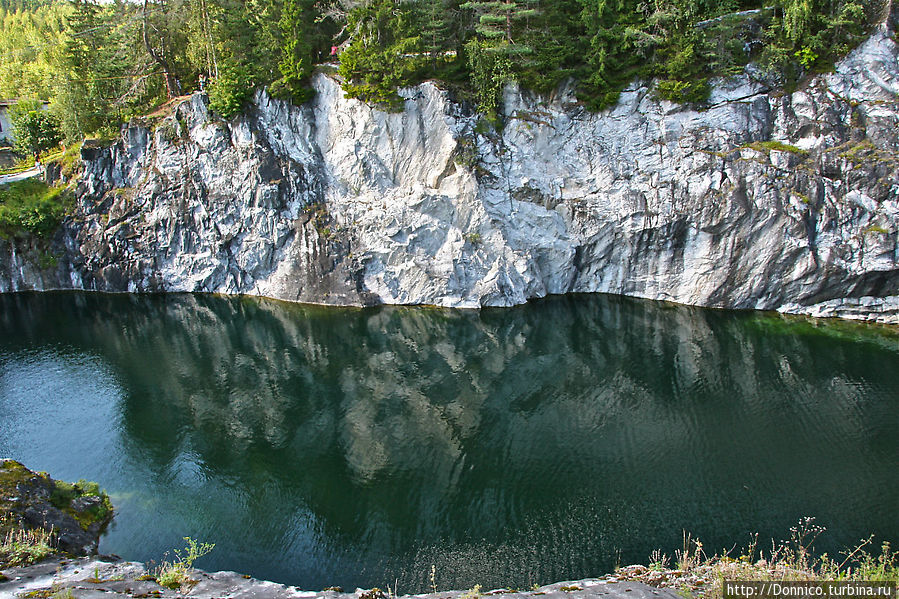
x=764, y=200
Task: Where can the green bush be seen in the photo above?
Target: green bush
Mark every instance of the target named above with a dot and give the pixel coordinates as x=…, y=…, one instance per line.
x=64, y=493
x=36, y=129
x=683, y=92
x=491, y=69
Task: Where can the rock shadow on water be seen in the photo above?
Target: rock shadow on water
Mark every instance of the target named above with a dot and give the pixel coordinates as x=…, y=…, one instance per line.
x=505, y=446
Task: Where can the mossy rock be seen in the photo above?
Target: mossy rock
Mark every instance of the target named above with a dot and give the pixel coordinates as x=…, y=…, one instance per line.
x=76, y=513
x=83, y=500
x=12, y=473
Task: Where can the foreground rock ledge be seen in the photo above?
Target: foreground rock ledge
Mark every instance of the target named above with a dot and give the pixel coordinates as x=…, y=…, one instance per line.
x=98, y=578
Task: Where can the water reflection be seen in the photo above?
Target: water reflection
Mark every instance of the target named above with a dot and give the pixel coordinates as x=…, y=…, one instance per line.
x=506, y=446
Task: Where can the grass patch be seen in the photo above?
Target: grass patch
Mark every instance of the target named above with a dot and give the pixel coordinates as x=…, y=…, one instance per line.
x=861, y=153
x=52, y=593
x=802, y=197
x=31, y=207
x=696, y=574
x=23, y=547
x=876, y=229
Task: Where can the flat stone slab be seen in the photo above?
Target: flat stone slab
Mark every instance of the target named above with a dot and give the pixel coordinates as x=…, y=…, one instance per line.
x=101, y=578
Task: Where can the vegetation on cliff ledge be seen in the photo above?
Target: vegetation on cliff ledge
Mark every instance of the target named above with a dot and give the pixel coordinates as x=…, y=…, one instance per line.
x=32, y=207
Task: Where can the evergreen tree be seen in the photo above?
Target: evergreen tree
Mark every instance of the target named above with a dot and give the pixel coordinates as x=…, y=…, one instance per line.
x=499, y=22
x=384, y=54
x=296, y=61
x=556, y=36
x=613, y=57
x=436, y=27
x=78, y=89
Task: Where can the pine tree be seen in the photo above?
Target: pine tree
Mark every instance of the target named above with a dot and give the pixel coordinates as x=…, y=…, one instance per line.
x=500, y=20
x=296, y=53
x=436, y=29
x=384, y=54
x=78, y=89
x=556, y=36
x=612, y=58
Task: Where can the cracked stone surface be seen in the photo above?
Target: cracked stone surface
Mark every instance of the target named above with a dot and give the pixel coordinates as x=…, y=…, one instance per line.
x=100, y=578
x=765, y=200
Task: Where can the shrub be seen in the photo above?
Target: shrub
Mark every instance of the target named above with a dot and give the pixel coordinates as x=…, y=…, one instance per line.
x=229, y=93
x=176, y=574
x=36, y=129
x=491, y=69
x=684, y=92
x=31, y=207
x=64, y=493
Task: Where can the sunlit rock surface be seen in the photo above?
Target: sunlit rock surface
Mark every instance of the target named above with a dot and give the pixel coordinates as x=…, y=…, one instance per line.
x=108, y=578
x=765, y=200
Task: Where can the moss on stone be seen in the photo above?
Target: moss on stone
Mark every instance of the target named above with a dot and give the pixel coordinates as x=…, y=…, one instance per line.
x=65, y=495
x=778, y=146
x=84, y=502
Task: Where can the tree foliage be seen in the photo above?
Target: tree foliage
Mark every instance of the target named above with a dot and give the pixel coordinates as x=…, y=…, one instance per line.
x=101, y=63
x=297, y=57
x=490, y=71
x=384, y=53
x=31, y=208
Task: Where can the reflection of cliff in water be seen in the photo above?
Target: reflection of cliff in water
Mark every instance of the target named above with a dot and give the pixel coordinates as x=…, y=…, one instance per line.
x=394, y=425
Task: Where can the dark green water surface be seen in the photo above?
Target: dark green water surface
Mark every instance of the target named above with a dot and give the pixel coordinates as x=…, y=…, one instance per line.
x=325, y=446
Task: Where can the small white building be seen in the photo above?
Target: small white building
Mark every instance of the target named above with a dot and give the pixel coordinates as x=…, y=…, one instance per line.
x=6, y=136
x=5, y=125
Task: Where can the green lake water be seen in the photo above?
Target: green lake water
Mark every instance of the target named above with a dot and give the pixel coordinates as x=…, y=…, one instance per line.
x=327, y=446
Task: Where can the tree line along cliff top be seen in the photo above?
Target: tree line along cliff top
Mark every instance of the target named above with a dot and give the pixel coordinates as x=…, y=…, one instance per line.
x=100, y=64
